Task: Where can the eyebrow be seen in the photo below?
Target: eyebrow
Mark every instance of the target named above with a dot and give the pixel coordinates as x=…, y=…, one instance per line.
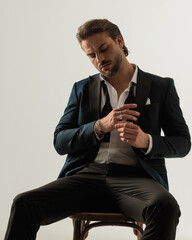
x=102, y=45
x=99, y=48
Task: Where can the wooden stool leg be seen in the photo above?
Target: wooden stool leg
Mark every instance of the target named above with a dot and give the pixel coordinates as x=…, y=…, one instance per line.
x=84, y=225
x=76, y=229
x=139, y=236
x=136, y=232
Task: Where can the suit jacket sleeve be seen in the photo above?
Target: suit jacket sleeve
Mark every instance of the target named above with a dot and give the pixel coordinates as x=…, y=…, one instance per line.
x=176, y=139
x=71, y=135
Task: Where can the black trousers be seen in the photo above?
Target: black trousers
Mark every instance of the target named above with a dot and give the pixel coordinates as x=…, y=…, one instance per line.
x=97, y=188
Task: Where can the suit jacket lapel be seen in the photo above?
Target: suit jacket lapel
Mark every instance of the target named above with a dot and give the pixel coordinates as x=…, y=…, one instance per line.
x=95, y=96
x=142, y=90
x=142, y=93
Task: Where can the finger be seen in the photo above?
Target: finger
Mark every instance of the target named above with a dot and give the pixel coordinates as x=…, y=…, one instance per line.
x=125, y=124
x=131, y=112
x=127, y=140
x=123, y=109
x=119, y=114
x=127, y=135
x=129, y=117
x=125, y=117
x=128, y=106
x=127, y=114
x=122, y=115
x=119, y=117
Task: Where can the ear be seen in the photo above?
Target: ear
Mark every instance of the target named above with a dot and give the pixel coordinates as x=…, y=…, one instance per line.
x=120, y=41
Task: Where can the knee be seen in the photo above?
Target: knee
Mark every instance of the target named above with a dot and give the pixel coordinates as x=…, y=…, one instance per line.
x=165, y=207
x=168, y=205
x=20, y=201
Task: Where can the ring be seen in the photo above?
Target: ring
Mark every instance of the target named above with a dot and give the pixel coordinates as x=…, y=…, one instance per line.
x=120, y=113
x=120, y=116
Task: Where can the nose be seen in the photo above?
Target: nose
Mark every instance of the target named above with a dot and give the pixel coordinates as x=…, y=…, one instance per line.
x=99, y=58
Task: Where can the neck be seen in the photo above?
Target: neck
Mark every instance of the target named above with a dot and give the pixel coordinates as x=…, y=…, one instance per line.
x=122, y=79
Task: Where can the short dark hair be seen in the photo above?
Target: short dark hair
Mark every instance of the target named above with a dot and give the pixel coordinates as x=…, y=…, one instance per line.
x=94, y=26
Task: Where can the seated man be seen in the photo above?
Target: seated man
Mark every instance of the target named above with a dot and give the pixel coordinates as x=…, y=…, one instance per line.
x=111, y=133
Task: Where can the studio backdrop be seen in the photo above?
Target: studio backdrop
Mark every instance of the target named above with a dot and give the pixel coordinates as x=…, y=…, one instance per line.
x=40, y=59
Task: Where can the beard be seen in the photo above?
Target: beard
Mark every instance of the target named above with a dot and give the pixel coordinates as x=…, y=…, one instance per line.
x=115, y=68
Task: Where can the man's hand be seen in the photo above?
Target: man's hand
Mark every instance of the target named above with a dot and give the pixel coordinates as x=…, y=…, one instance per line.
x=128, y=131
x=117, y=115
x=133, y=134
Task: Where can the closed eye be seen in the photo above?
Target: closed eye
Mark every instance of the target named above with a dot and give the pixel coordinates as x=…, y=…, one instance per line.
x=104, y=49
x=92, y=55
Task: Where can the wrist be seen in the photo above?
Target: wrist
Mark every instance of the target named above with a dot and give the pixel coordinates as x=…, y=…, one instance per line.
x=104, y=125
x=98, y=128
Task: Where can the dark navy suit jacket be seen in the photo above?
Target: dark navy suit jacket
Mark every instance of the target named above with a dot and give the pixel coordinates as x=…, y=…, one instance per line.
x=74, y=134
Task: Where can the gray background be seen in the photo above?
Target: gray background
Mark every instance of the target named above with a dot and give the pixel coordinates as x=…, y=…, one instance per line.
x=39, y=62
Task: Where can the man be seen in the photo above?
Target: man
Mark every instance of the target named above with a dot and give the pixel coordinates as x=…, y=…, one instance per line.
x=111, y=131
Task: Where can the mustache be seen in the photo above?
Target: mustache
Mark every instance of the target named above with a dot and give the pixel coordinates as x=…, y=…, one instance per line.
x=104, y=62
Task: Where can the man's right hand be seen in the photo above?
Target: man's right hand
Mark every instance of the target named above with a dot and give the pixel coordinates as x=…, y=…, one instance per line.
x=122, y=113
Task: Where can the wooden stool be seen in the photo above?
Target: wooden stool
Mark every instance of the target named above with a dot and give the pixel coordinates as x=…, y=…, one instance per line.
x=82, y=223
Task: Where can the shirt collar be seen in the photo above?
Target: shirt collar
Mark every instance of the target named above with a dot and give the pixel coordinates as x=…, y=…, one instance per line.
x=134, y=78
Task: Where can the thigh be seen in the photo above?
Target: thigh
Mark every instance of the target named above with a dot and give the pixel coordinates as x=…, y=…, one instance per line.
x=63, y=197
x=132, y=195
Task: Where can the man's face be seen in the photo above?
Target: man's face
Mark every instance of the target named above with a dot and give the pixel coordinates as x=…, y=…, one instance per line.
x=105, y=53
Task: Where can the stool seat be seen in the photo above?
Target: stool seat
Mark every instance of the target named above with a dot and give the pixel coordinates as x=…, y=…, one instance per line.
x=107, y=217
x=82, y=223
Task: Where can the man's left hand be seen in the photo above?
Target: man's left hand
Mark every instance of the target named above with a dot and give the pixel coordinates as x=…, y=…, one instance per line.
x=132, y=134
